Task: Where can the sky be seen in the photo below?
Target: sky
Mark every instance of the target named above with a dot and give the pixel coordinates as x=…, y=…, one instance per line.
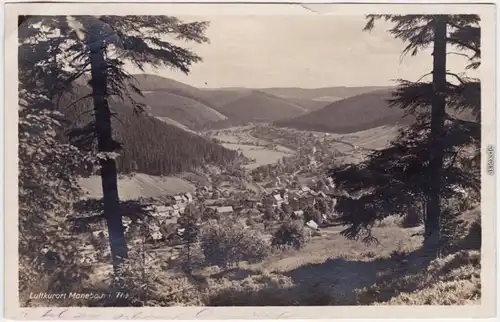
x=307, y=51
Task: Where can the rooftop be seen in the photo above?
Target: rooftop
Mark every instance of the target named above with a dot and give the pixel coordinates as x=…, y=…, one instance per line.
x=224, y=209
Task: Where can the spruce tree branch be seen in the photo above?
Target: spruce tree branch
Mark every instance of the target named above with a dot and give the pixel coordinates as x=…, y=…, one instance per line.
x=78, y=100
x=423, y=76
x=456, y=76
x=81, y=114
x=455, y=40
x=453, y=160
x=454, y=25
x=69, y=81
x=459, y=54
x=114, y=115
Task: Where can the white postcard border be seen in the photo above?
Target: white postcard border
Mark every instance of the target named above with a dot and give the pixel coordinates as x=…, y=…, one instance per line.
x=488, y=261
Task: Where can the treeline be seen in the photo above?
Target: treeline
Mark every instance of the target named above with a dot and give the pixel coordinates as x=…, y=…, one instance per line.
x=148, y=145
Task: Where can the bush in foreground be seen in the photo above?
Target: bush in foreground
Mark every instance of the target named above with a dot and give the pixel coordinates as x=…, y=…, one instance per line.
x=266, y=289
x=291, y=234
x=226, y=242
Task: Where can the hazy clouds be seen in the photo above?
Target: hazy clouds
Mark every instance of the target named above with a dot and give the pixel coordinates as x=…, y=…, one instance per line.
x=300, y=51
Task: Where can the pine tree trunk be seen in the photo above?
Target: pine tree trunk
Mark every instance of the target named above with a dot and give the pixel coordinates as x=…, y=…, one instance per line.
x=432, y=221
x=108, y=166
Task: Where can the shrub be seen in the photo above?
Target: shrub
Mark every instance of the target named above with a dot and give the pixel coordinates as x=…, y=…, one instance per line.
x=291, y=234
x=412, y=219
x=145, y=284
x=461, y=230
x=450, y=280
x=226, y=243
x=311, y=213
x=265, y=289
x=191, y=257
x=254, y=290
x=250, y=222
x=51, y=272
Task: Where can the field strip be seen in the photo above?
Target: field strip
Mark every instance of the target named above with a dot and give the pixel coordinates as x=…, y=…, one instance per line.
x=366, y=142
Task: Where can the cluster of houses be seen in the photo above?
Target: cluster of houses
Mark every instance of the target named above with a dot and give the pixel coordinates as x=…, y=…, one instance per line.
x=207, y=192
x=175, y=206
x=296, y=198
x=224, y=201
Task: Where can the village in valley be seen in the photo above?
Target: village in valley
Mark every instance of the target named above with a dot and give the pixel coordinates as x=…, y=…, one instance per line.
x=260, y=188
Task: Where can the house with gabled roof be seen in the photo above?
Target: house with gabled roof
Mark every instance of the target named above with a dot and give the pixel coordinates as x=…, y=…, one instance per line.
x=245, y=211
x=177, y=199
x=164, y=209
x=277, y=200
x=189, y=197
x=298, y=213
x=251, y=202
x=312, y=224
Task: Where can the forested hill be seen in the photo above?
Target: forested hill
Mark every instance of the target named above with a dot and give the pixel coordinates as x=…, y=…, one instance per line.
x=353, y=114
x=148, y=145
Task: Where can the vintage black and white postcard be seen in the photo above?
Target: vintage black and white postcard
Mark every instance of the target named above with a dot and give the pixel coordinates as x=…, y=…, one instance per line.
x=255, y=161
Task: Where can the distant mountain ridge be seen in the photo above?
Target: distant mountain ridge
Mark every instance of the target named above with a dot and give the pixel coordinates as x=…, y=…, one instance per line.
x=336, y=93
x=199, y=109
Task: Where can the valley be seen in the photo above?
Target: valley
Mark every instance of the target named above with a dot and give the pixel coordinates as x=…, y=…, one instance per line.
x=272, y=170
x=248, y=160
x=305, y=155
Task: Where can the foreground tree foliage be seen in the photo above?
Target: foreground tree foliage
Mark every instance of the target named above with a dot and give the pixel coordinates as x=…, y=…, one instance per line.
x=48, y=255
x=437, y=158
x=100, y=45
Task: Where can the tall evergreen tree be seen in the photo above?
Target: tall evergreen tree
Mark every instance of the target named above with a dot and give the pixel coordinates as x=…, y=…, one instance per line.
x=436, y=156
x=47, y=169
x=101, y=45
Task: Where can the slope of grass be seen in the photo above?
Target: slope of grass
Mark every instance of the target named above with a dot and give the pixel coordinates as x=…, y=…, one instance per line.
x=149, y=82
x=137, y=186
x=258, y=106
x=452, y=280
x=335, y=271
x=182, y=109
x=308, y=104
x=220, y=97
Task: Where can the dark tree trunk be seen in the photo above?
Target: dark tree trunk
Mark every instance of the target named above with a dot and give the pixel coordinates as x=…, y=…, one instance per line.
x=107, y=144
x=433, y=213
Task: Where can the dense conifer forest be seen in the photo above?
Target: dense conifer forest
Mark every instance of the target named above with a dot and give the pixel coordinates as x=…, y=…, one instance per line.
x=148, y=145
